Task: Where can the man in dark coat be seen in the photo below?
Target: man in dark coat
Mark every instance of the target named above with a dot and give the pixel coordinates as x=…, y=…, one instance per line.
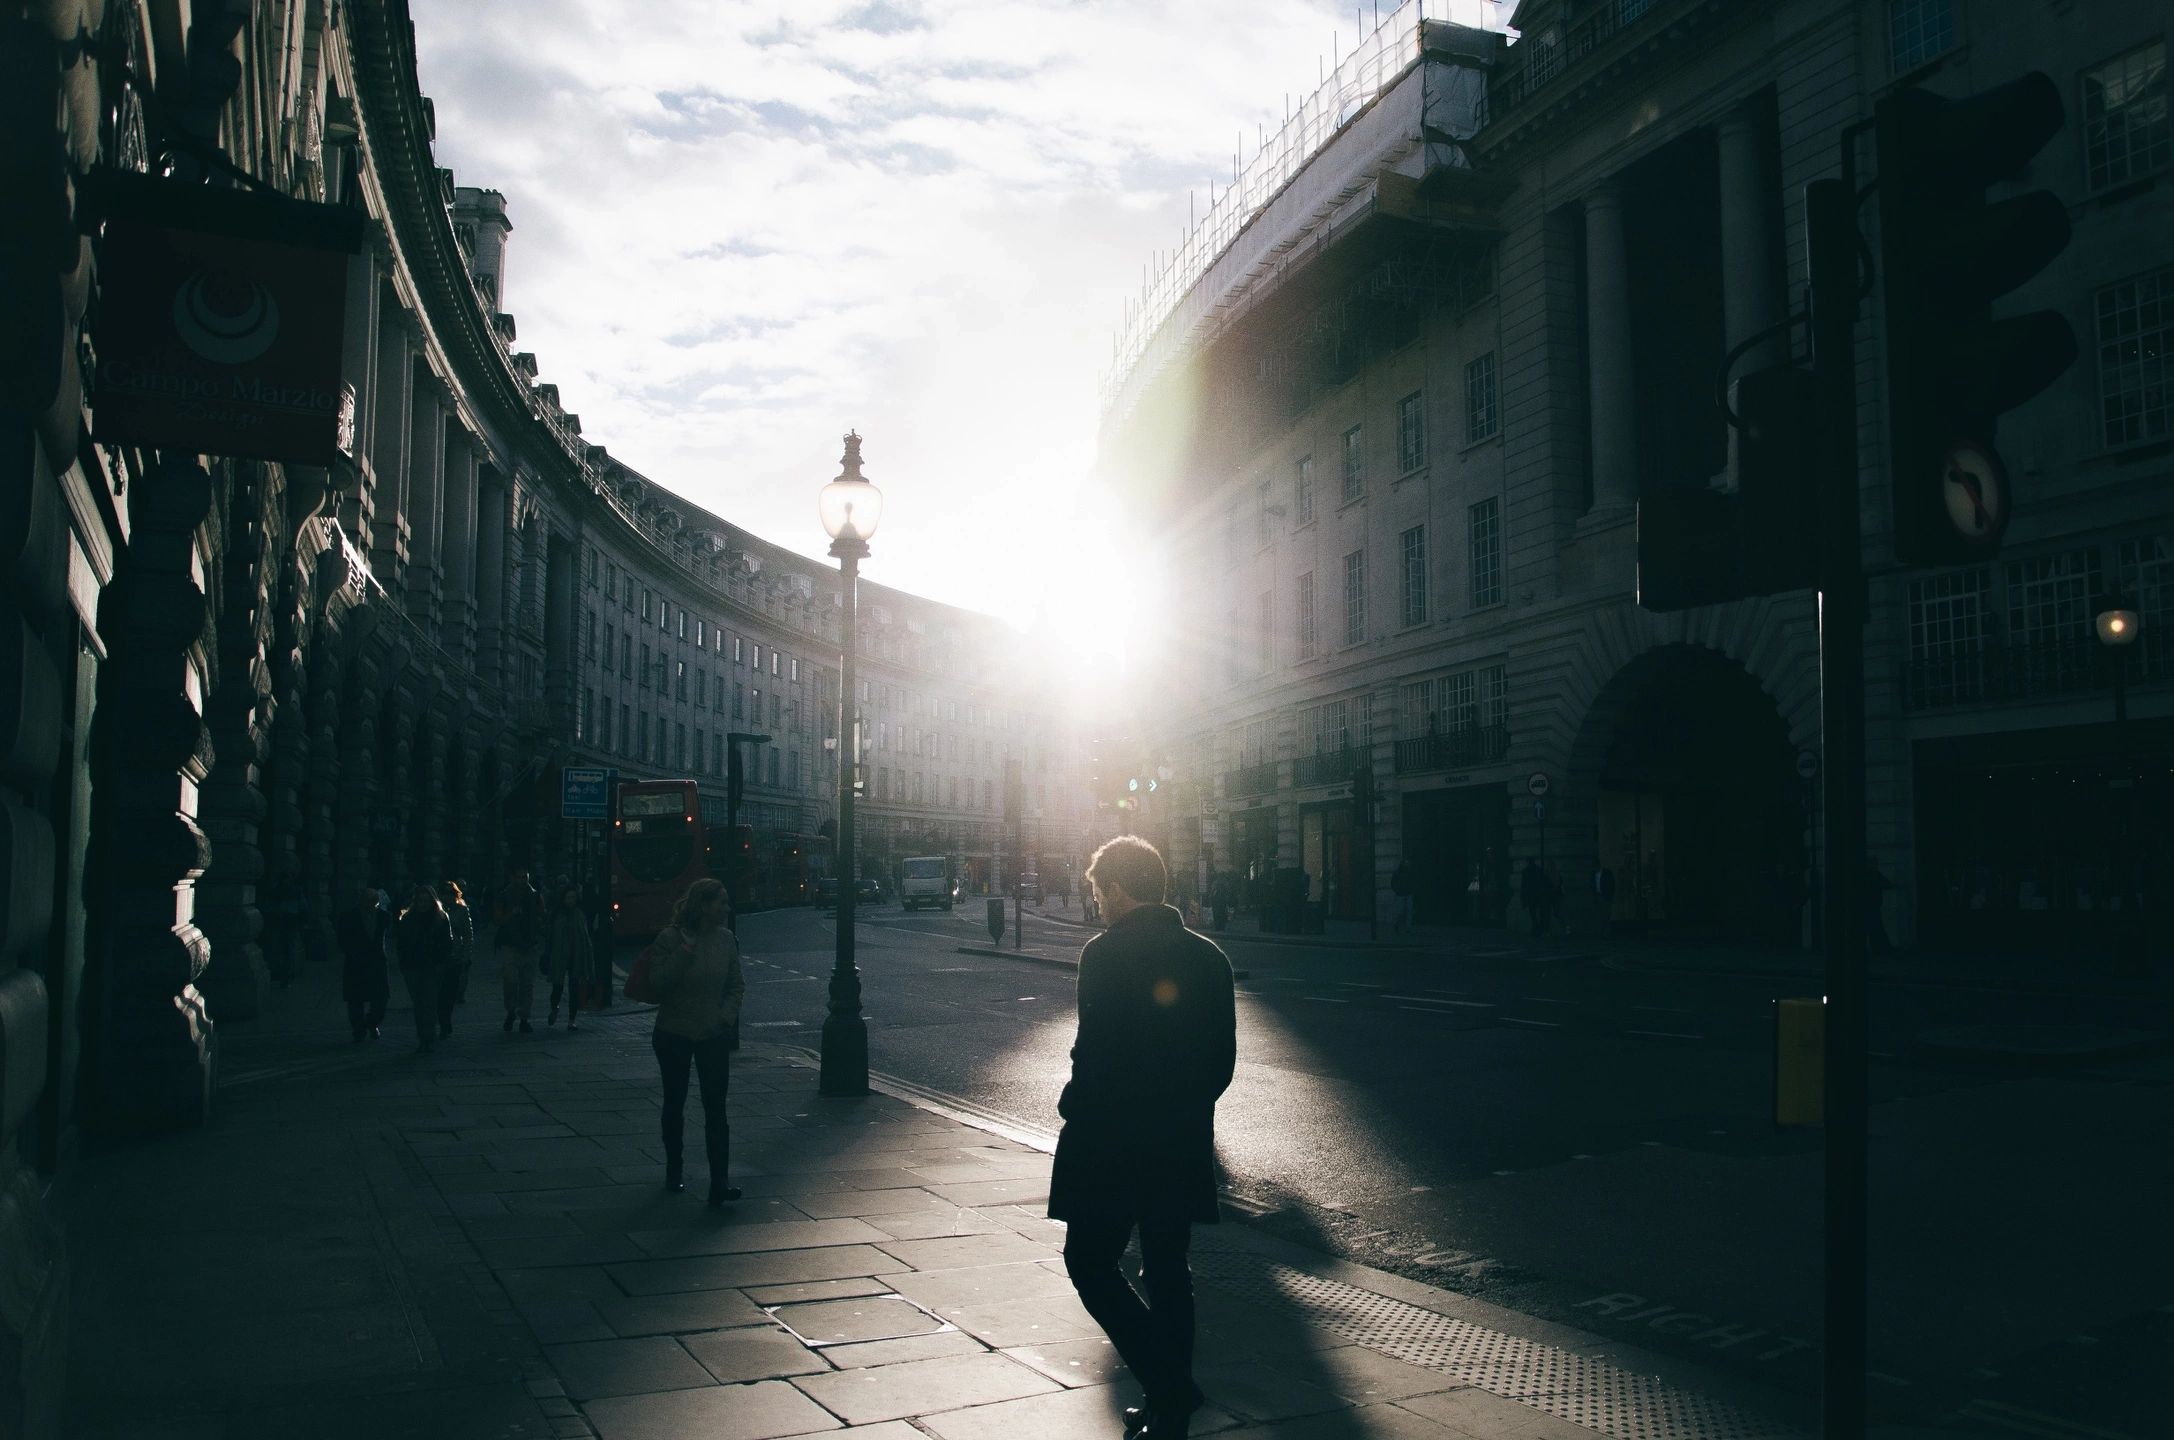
x=1156, y=1047
x=361, y=930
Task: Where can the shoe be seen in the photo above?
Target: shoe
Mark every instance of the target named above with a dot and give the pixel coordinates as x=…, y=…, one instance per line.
x=445, y=1032
x=1136, y=1417
x=527, y=1029
x=723, y=1195
x=375, y=1033
x=508, y=1026
x=672, y=1177
x=570, y=1025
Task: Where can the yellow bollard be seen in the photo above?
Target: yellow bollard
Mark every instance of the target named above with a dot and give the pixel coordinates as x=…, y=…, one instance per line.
x=1800, y=1061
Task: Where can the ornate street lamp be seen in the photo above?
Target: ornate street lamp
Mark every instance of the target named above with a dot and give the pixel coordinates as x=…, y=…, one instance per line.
x=850, y=508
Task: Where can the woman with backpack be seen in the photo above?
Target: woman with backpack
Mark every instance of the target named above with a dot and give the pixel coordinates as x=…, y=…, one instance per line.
x=423, y=938
x=693, y=971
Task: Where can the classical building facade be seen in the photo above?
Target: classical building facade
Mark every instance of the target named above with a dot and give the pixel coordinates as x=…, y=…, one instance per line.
x=237, y=691
x=1396, y=404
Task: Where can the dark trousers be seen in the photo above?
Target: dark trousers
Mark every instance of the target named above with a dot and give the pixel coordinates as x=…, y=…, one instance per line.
x=449, y=991
x=568, y=985
x=711, y=1059
x=424, y=983
x=363, y=1016
x=1154, y=1339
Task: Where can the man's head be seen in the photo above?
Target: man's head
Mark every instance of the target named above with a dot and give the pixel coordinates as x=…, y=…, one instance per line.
x=1127, y=872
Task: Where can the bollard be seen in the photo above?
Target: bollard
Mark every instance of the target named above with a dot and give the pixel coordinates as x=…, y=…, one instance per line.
x=996, y=920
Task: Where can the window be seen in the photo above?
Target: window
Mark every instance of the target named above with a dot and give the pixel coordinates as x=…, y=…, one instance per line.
x=755, y=708
x=1355, y=597
x=682, y=624
x=611, y=579
x=644, y=733
x=588, y=647
x=1918, y=31
x=626, y=655
x=611, y=646
x=679, y=691
x=2145, y=570
x=1947, y=634
x=795, y=664
x=777, y=703
x=2135, y=321
x=1325, y=729
x=664, y=626
x=1260, y=515
x=738, y=658
x=626, y=726
x=1264, y=621
x=590, y=552
x=1486, y=528
x=701, y=688
x=679, y=747
x=586, y=729
x=701, y=633
x=1306, y=640
x=739, y=701
x=1479, y=399
x=758, y=657
x=2126, y=133
x=645, y=603
x=774, y=663
x=1412, y=551
x=792, y=769
x=1411, y=433
x=2050, y=599
x=603, y=736
x=1305, y=490
x=1354, y=463
x=644, y=677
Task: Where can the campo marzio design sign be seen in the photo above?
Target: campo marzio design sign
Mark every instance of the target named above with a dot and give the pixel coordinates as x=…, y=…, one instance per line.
x=219, y=321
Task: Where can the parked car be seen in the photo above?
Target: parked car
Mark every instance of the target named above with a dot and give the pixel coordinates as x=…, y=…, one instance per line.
x=826, y=889
x=867, y=890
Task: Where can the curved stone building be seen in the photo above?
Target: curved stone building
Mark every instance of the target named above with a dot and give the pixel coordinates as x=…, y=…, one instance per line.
x=238, y=690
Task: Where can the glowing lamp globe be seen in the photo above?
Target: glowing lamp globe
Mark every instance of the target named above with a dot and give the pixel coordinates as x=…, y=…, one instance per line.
x=2116, y=624
x=850, y=505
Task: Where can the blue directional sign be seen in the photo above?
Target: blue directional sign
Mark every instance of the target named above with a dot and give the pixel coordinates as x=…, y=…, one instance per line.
x=585, y=793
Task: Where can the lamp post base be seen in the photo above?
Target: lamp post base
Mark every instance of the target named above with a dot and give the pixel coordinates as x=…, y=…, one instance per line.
x=845, y=1056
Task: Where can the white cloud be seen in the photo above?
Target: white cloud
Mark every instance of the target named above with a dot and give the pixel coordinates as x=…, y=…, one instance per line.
x=742, y=228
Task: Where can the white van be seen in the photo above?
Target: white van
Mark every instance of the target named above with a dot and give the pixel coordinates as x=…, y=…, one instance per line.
x=925, y=880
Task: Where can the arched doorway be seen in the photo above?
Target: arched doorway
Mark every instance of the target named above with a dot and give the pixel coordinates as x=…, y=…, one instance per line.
x=1699, y=813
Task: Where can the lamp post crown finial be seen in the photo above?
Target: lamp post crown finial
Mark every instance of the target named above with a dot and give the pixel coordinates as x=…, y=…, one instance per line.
x=852, y=462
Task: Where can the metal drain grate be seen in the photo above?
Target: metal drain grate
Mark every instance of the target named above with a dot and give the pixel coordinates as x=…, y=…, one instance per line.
x=1577, y=1388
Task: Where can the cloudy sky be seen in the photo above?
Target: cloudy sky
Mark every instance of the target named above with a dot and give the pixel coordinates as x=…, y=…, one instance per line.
x=742, y=228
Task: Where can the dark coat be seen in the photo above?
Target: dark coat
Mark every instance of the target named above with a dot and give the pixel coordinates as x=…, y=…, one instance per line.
x=1157, y=1044
x=360, y=930
x=424, y=939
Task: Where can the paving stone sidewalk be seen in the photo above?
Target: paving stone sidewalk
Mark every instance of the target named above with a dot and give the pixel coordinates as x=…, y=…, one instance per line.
x=373, y=1242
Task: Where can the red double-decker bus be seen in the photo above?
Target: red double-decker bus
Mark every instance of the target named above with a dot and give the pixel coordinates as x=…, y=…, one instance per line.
x=658, y=849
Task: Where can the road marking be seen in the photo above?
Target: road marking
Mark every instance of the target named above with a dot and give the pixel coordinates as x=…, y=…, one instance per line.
x=1505, y=1172
x=1581, y=1157
x=1664, y=1009
x=1430, y=1000
x=773, y=1024
x=1544, y=1000
x=1886, y=1379
x=1668, y=1035
x=1530, y=1024
x=1327, y=999
x=2035, y=1422
x=1360, y=985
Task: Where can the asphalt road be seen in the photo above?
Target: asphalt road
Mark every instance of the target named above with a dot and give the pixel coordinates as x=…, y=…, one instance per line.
x=1595, y=1145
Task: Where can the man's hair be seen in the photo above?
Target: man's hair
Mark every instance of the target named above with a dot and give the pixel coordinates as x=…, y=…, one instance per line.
x=1134, y=866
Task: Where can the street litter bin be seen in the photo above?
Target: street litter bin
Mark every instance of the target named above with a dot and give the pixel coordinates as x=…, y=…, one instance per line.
x=996, y=919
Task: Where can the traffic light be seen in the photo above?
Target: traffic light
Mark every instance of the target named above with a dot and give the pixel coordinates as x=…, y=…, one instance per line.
x=1947, y=252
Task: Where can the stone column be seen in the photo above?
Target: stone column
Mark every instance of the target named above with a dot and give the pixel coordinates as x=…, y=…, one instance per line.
x=358, y=367
x=389, y=448
x=1750, y=290
x=322, y=896
x=426, y=498
x=559, y=566
x=431, y=847
x=357, y=802
x=396, y=791
x=494, y=518
x=1608, y=351
x=152, y=1067
x=459, y=547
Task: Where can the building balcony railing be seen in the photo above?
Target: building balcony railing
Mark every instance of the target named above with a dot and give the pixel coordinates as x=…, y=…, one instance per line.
x=1998, y=674
x=1255, y=779
x=1453, y=749
x=1545, y=58
x=1328, y=767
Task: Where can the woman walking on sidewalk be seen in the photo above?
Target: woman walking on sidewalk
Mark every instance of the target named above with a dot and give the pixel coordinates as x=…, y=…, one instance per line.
x=694, y=968
x=566, y=955
x=360, y=930
x=424, y=938
x=455, y=988
x=518, y=936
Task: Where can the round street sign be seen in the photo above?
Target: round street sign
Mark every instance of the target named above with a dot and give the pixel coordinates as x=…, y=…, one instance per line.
x=1536, y=785
x=1807, y=764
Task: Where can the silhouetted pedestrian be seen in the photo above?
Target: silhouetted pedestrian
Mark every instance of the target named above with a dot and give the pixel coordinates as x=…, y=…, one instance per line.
x=1534, y=891
x=518, y=939
x=694, y=967
x=424, y=938
x=1156, y=1047
x=360, y=931
x=1400, y=886
x=566, y=955
x=454, y=989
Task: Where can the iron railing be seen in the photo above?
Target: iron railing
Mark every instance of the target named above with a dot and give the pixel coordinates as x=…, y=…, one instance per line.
x=1255, y=779
x=1328, y=767
x=1512, y=85
x=1453, y=749
x=2043, y=670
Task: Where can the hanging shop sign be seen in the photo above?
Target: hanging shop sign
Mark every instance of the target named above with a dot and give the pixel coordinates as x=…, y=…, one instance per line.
x=220, y=319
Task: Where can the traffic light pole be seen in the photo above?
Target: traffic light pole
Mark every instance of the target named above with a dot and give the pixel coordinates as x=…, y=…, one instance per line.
x=1832, y=245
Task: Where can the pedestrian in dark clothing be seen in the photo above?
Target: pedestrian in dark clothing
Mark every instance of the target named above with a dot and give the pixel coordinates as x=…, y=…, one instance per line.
x=518, y=939
x=694, y=967
x=1401, y=886
x=1532, y=889
x=424, y=939
x=1156, y=1047
x=360, y=930
x=566, y=955
x=463, y=923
